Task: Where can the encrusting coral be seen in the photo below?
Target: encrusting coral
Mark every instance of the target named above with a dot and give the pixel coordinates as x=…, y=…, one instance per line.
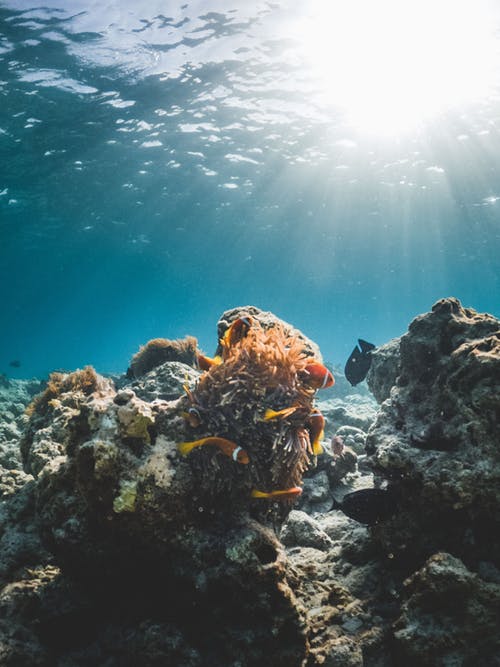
x=260, y=398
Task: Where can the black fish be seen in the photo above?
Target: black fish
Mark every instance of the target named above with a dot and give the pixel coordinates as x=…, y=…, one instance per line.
x=368, y=505
x=359, y=362
x=15, y=363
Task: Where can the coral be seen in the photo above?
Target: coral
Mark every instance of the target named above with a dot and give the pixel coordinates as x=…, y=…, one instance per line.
x=84, y=381
x=158, y=350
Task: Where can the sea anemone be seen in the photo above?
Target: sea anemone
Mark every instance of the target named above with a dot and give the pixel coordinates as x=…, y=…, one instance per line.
x=262, y=371
x=159, y=350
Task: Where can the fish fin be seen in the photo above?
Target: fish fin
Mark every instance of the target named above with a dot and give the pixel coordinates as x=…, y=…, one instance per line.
x=365, y=346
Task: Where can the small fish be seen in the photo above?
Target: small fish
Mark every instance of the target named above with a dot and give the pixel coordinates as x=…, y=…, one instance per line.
x=193, y=417
x=206, y=363
x=368, y=506
x=317, y=376
x=282, y=494
x=359, y=362
x=15, y=363
x=227, y=447
x=316, y=423
x=236, y=331
x=338, y=445
x=270, y=415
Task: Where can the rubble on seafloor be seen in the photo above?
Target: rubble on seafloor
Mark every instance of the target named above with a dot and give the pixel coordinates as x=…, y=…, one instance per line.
x=116, y=550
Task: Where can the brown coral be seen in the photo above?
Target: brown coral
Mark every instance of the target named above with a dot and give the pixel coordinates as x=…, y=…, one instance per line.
x=262, y=370
x=159, y=350
x=84, y=381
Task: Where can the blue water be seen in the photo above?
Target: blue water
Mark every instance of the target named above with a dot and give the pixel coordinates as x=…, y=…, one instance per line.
x=162, y=163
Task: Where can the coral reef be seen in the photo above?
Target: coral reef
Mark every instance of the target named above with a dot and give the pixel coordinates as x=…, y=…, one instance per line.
x=118, y=543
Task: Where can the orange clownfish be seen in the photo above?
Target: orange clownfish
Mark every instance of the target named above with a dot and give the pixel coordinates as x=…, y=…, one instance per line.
x=193, y=417
x=317, y=376
x=316, y=424
x=206, y=363
x=270, y=414
x=236, y=331
x=282, y=494
x=227, y=447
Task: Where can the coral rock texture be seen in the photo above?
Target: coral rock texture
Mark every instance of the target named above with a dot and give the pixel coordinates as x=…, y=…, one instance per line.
x=117, y=550
x=436, y=439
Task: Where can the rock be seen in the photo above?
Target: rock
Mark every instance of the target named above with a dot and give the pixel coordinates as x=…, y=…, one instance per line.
x=339, y=466
x=450, y=616
x=353, y=437
x=384, y=369
x=436, y=438
x=316, y=495
x=15, y=395
x=301, y=530
x=357, y=410
x=165, y=382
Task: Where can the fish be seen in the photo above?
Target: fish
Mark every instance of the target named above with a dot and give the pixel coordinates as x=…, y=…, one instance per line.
x=236, y=331
x=270, y=415
x=15, y=363
x=368, y=506
x=227, y=447
x=337, y=445
x=316, y=423
x=281, y=494
x=359, y=362
x=193, y=417
x=317, y=376
x=206, y=363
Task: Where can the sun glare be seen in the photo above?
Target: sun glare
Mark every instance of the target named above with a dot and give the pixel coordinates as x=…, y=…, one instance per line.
x=390, y=65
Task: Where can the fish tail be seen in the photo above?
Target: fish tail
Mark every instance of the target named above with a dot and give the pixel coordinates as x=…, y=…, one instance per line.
x=317, y=447
x=278, y=414
x=259, y=494
x=186, y=447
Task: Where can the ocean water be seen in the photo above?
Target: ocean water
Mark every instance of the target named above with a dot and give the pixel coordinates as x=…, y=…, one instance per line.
x=162, y=162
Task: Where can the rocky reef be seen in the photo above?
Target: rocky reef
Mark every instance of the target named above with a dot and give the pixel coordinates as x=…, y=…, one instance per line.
x=133, y=533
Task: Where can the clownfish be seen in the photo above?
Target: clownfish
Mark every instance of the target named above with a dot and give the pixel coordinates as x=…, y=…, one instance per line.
x=317, y=376
x=282, y=494
x=193, y=417
x=206, y=363
x=270, y=414
x=236, y=331
x=227, y=447
x=316, y=424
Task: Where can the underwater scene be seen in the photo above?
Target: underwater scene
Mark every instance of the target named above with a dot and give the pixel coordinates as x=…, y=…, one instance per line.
x=250, y=344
